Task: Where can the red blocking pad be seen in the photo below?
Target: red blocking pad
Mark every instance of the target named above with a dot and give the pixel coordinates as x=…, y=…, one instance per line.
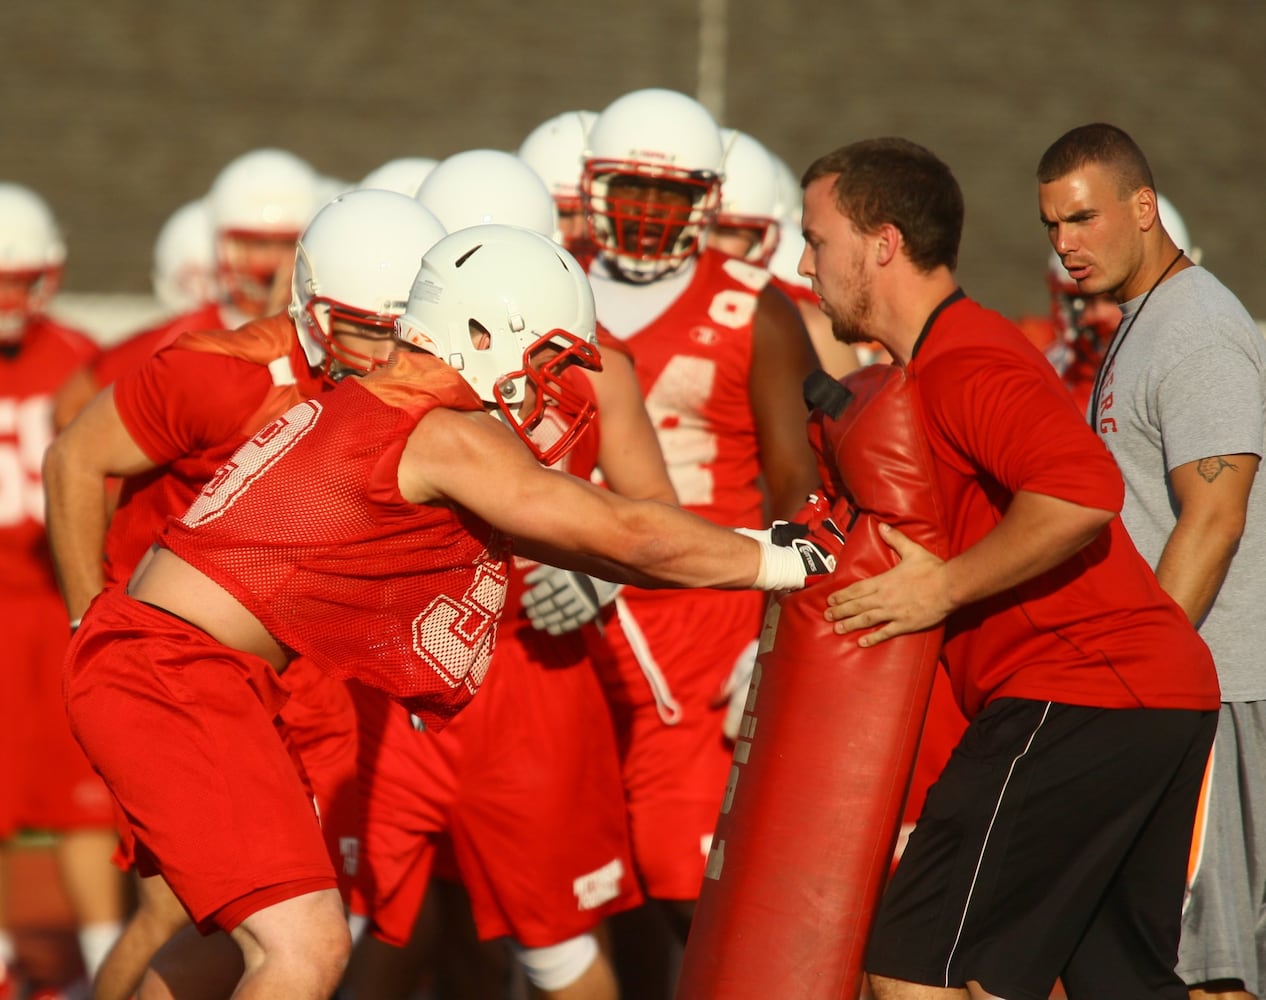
x=823, y=761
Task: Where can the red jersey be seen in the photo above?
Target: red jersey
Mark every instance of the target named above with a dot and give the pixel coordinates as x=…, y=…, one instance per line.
x=1096, y=630
x=694, y=363
x=191, y=406
x=31, y=371
x=130, y=354
x=306, y=527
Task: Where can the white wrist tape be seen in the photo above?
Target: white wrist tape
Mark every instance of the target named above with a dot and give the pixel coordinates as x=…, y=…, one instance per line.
x=780, y=568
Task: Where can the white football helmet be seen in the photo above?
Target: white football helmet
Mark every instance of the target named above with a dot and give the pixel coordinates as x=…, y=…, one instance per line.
x=789, y=194
x=183, y=274
x=751, y=195
x=259, y=203
x=487, y=186
x=264, y=191
x=1176, y=227
x=506, y=307
x=404, y=175
x=32, y=254
x=669, y=146
x=785, y=261
x=555, y=149
x=356, y=261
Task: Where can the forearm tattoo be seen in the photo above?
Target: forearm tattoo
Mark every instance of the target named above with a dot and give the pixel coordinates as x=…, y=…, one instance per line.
x=1211, y=468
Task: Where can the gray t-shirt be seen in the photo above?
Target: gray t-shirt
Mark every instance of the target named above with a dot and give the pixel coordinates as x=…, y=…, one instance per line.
x=1189, y=382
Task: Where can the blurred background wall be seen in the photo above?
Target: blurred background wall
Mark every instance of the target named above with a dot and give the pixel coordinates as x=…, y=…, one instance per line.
x=120, y=110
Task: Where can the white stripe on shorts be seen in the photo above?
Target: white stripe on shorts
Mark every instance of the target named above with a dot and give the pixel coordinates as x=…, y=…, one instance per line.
x=962, y=920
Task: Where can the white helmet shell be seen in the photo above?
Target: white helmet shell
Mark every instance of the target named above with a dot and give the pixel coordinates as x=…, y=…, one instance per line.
x=524, y=292
x=651, y=137
x=656, y=127
x=488, y=186
x=328, y=188
x=30, y=239
x=785, y=262
x=404, y=174
x=555, y=149
x=183, y=275
x=789, y=194
x=357, y=259
x=751, y=196
x=265, y=191
x=1176, y=227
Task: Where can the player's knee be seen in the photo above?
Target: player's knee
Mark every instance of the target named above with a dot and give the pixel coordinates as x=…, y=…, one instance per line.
x=326, y=948
x=557, y=966
x=304, y=940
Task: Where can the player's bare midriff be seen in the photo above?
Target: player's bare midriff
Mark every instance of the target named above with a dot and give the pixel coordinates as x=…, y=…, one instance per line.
x=164, y=580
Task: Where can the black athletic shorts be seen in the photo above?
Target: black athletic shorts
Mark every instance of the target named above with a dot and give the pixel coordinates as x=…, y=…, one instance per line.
x=1054, y=845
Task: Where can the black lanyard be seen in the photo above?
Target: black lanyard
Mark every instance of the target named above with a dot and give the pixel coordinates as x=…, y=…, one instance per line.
x=1101, y=375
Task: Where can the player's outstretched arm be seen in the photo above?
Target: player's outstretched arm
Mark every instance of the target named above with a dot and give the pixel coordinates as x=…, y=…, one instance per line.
x=93, y=447
x=472, y=460
x=628, y=449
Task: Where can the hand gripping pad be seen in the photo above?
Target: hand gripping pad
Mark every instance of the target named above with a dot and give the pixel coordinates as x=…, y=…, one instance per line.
x=826, y=747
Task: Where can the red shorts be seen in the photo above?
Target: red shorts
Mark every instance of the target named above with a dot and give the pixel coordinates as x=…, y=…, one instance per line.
x=182, y=729
x=407, y=782
x=524, y=784
x=539, y=828
x=676, y=759
x=46, y=783
x=319, y=723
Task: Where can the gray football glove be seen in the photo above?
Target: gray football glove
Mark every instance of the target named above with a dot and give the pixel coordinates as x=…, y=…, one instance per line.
x=562, y=600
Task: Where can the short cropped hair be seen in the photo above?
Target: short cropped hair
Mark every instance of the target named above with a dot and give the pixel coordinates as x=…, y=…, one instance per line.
x=1097, y=143
x=892, y=180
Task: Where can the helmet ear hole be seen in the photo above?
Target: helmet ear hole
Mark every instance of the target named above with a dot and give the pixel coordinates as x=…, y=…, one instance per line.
x=483, y=318
x=480, y=336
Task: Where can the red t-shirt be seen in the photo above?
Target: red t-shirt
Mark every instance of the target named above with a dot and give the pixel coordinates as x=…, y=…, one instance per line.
x=1077, y=369
x=1096, y=630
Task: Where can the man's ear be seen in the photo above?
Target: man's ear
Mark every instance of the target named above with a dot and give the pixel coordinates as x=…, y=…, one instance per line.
x=1145, y=205
x=887, y=243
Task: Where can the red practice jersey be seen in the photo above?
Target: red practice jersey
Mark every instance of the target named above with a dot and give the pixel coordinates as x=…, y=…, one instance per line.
x=694, y=362
x=45, y=781
x=30, y=374
x=306, y=527
x=128, y=355
x=189, y=407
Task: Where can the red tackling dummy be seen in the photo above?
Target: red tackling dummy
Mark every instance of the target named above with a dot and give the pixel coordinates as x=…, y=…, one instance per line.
x=823, y=759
